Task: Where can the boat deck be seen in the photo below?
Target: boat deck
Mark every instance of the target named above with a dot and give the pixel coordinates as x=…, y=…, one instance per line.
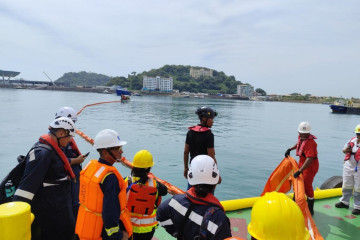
x=333, y=223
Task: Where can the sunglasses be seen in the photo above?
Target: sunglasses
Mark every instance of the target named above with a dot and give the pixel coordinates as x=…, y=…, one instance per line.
x=118, y=149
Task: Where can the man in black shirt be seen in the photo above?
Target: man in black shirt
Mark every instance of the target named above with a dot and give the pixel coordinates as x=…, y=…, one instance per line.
x=200, y=139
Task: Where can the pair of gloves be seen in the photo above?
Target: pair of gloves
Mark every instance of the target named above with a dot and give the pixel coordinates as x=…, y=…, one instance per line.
x=287, y=153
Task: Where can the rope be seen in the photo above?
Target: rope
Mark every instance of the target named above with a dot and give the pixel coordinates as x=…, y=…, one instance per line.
x=171, y=188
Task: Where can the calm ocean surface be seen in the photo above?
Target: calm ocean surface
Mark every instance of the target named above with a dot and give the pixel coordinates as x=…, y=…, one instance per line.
x=250, y=137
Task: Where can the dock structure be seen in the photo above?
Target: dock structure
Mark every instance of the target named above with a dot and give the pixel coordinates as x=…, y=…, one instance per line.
x=30, y=82
x=8, y=74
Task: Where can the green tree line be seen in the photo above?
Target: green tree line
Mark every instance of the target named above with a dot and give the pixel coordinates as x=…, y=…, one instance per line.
x=182, y=81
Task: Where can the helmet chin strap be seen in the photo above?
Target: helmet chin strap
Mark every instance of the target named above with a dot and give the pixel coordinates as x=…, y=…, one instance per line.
x=57, y=138
x=204, y=122
x=111, y=154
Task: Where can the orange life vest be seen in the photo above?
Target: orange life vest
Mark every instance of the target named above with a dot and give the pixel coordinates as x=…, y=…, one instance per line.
x=89, y=222
x=357, y=154
x=142, y=202
x=199, y=128
x=301, y=144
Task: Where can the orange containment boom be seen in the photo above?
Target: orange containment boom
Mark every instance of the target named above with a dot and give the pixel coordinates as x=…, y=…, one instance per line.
x=171, y=188
x=281, y=180
x=93, y=104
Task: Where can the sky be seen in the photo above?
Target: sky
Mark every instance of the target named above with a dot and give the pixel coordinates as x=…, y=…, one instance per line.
x=298, y=46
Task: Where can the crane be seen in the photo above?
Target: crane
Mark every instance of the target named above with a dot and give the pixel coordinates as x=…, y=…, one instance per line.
x=48, y=77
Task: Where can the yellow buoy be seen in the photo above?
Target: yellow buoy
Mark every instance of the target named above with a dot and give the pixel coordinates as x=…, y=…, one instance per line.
x=15, y=221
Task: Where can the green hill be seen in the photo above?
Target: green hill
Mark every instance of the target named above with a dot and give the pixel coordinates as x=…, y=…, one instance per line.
x=86, y=79
x=219, y=83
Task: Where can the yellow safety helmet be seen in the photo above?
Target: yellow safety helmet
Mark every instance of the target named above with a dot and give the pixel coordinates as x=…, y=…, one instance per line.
x=143, y=159
x=357, y=128
x=277, y=217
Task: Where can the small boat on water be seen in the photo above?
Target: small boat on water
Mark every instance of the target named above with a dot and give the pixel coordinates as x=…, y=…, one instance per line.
x=122, y=91
x=125, y=98
x=105, y=92
x=344, y=106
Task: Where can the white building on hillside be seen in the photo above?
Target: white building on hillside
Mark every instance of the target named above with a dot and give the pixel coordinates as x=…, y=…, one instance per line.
x=202, y=72
x=245, y=90
x=157, y=83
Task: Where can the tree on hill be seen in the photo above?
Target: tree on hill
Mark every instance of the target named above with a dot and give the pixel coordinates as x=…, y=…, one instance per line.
x=260, y=91
x=83, y=78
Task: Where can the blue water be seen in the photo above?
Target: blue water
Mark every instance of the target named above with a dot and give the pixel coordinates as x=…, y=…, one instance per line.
x=250, y=137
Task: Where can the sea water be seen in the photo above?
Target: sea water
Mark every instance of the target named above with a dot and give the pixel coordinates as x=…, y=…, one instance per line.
x=251, y=137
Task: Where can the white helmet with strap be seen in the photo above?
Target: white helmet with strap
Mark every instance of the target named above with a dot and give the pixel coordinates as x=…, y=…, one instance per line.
x=203, y=170
x=107, y=138
x=67, y=112
x=65, y=123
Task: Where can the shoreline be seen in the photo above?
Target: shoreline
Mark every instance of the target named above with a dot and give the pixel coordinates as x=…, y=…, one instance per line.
x=272, y=98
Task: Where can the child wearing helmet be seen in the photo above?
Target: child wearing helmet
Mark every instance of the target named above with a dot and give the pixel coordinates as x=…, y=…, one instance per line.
x=144, y=196
x=74, y=156
x=199, y=138
x=276, y=217
x=306, y=149
x=351, y=174
x=180, y=215
x=45, y=183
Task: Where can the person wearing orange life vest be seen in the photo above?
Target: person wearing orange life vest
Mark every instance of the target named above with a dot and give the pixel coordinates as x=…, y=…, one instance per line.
x=199, y=138
x=102, y=212
x=306, y=149
x=144, y=196
x=351, y=174
x=74, y=156
x=275, y=216
x=45, y=184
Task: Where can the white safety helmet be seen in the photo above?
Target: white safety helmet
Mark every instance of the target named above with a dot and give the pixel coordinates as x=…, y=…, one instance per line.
x=67, y=112
x=304, y=127
x=203, y=170
x=65, y=123
x=107, y=138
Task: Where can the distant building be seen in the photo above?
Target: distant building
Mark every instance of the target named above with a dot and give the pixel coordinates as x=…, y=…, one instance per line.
x=202, y=72
x=8, y=74
x=245, y=90
x=157, y=83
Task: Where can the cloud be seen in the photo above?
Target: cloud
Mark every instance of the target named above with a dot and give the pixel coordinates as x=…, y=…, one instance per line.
x=280, y=46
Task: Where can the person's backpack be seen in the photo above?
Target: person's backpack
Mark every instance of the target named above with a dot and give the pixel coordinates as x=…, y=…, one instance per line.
x=11, y=182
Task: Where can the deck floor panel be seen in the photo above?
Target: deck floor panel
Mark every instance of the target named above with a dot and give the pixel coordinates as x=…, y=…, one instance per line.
x=333, y=223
